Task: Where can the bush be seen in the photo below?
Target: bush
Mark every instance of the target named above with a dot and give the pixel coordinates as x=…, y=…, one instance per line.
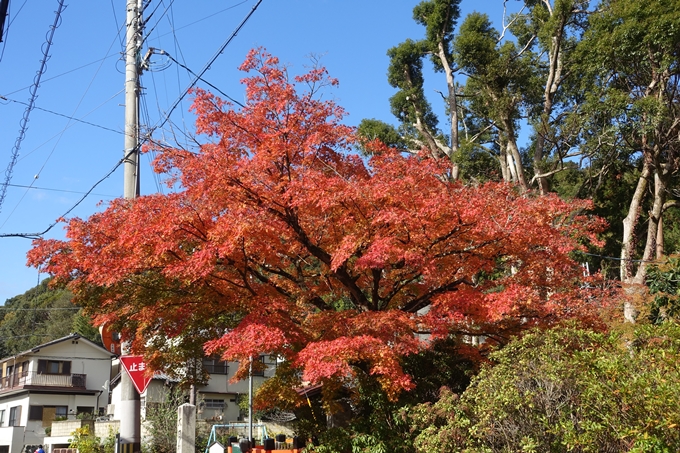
x=564, y=390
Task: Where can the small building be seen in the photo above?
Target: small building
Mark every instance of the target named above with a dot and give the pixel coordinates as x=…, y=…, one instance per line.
x=53, y=381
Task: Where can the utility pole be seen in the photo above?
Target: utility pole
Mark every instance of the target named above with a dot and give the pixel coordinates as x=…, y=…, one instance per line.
x=130, y=419
x=132, y=70
x=250, y=402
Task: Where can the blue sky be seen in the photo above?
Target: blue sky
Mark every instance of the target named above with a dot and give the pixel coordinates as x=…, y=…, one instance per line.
x=62, y=158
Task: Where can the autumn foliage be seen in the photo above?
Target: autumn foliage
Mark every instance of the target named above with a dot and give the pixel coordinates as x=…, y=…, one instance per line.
x=281, y=240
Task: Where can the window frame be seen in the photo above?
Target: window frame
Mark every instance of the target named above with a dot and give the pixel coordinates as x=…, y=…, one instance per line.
x=214, y=404
x=46, y=367
x=14, y=416
x=215, y=366
x=32, y=412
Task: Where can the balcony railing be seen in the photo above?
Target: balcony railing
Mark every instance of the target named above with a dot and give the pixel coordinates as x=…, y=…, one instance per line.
x=20, y=380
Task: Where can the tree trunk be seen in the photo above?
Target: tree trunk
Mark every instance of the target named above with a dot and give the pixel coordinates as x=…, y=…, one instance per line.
x=514, y=152
x=653, y=226
x=453, y=108
x=628, y=243
x=551, y=85
x=629, y=224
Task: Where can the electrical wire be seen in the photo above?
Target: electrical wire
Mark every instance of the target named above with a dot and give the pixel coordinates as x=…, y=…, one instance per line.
x=42, y=233
x=614, y=258
x=2, y=307
x=59, y=136
x=34, y=95
x=59, y=190
x=65, y=73
x=64, y=116
x=207, y=66
x=25, y=155
x=163, y=122
x=119, y=27
x=163, y=52
x=205, y=18
x=6, y=33
x=158, y=21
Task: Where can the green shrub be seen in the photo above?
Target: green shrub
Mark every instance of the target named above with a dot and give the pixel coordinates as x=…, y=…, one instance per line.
x=564, y=390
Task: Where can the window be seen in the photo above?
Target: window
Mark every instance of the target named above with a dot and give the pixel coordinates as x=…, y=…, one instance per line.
x=2, y=417
x=61, y=411
x=85, y=410
x=54, y=367
x=35, y=412
x=23, y=369
x=215, y=366
x=214, y=404
x=258, y=370
x=14, y=416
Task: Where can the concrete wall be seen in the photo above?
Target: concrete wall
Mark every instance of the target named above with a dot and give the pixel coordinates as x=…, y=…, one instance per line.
x=103, y=429
x=12, y=436
x=67, y=427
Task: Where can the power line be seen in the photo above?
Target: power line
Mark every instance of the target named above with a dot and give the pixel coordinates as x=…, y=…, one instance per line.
x=40, y=234
x=67, y=72
x=163, y=52
x=205, y=18
x=34, y=94
x=6, y=31
x=208, y=65
x=62, y=115
x=58, y=190
x=26, y=154
x=39, y=309
x=615, y=258
x=59, y=135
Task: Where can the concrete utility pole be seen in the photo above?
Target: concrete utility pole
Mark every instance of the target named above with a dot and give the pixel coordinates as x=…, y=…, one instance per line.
x=130, y=422
x=132, y=70
x=250, y=401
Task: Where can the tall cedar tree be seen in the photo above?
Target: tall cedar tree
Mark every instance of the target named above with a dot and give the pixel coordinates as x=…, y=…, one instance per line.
x=281, y=241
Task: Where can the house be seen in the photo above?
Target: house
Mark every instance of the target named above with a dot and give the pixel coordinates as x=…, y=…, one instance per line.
x=55, y=380
x=71, y=376
x=217, y=401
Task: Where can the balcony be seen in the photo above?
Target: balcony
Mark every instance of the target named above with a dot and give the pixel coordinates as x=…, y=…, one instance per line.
x=22, y=380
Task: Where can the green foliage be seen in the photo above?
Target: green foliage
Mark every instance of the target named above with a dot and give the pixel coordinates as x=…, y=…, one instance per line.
x=374, y=424
x=663, y=281
x=439, y=18
x=40, y=315
x=109, y=442
x=161, y=422
x=372, y=129
x=85, y=441
x=562, y=390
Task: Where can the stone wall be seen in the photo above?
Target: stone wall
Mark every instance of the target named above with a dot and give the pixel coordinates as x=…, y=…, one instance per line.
x=104, y=429
x=67, y=427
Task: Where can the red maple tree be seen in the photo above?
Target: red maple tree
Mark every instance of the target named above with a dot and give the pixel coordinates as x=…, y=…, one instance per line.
x=283, y=241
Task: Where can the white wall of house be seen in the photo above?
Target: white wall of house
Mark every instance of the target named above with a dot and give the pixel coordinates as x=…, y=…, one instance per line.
x=16, y=436
x=57, y=394
x=12, y=436
x=85, y=359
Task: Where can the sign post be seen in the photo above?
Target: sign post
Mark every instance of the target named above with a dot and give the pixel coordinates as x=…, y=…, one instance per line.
x=136, y=368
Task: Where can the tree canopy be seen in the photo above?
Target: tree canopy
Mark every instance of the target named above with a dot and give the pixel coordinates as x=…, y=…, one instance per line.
x=280, y=240
x=40, y=315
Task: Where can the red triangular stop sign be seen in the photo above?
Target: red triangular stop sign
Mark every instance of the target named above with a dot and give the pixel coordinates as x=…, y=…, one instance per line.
x=136, y=368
